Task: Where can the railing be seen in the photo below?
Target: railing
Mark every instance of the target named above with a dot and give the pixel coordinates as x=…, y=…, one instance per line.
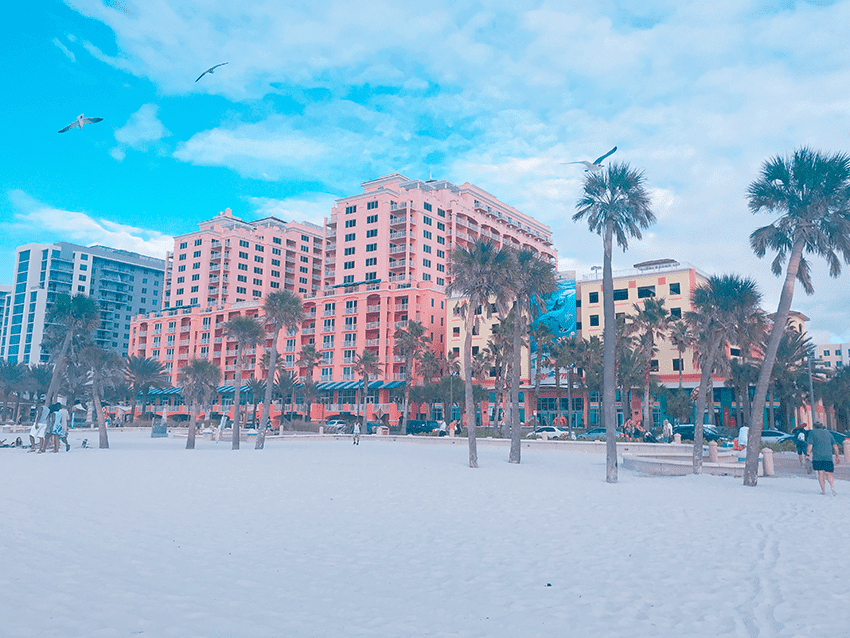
x=397, y=249
x=372, y=325
x=308, y=331
x=373, y=342
x=351, y=311
x=184, y=342
x=348, y=360
x=399, y=219
x=398, y=376
x=401, y=324
x=398, y=263
x=348, y=377
x=289, y=349
x=400, y=277
x=401, y=307
x=328, y=313
x=373, y=308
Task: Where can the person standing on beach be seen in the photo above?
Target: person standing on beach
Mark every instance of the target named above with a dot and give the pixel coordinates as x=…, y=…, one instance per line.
x=61, y=421
x=821, y=448
x=356, y=440
x=799, y=434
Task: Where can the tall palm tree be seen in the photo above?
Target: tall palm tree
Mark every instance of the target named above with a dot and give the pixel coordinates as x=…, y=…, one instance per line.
x=367, y=365
x=13, y=380
x=247, y=332
x=285, y=387
x=717, y=303
x=144, y=373
x=410, y=344
x=39, y=379
x=810, y=191
x=197, y=378
x=309, y=359
x=542, y=337
x=615, y=202
x=257, y=387
x=532, y=280
x=681, y=338
x=282, y=310
x=103, y=369
x=478, y=276
x=71, y=318
x=750, y=331
x=650, y=323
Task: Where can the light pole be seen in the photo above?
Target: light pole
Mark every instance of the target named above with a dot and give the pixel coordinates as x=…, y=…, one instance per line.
x=811, y=387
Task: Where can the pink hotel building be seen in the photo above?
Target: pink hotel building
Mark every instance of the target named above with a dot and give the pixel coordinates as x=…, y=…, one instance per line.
x=381, y=260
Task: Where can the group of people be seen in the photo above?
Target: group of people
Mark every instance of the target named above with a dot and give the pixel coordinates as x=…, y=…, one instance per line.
x=51, y=429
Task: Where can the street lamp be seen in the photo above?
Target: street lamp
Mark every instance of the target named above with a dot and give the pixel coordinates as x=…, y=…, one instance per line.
x=811, y=386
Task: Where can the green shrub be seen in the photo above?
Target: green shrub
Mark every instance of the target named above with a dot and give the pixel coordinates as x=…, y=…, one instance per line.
x=783, y=446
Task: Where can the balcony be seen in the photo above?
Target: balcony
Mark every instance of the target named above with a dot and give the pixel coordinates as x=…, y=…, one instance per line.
x=348, y=377
x=397, y=263
x=184, y=342
x=401, y=324
x=373, y=325
x=397, y=249
x=373, y=308
x=372, y=342
x=401, y=307
x=348, y=360
x=308, y=331
x=351, y=311
x=329, y=313
x=400, y=219
x=401, y=234
x=398, y=376
x=400, y=277
x=350, y=327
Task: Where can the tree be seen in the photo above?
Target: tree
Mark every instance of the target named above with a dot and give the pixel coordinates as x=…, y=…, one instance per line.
x=14, y=378
x=69, y=318
x=650, y=323
x=366, y=364
x=39, y=381
x=285, y=387
x=478, y=276
x=257, y=387
x=309, y=359
x=811, y=193
x=247, y=332
x=541, y=337
x=409, y=344
x=198, y=378
x=144, y=373
x=103, y=369
x=717, y=303
x=282, y=310
x=531, y=280
x=681, y=338
x=615, y=202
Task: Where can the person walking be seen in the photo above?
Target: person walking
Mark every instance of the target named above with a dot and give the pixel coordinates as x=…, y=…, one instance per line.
x=667, y=431
x=61, y=420
x=356, y=440
x=820, y=450
x=443, y=427
x=799, y=434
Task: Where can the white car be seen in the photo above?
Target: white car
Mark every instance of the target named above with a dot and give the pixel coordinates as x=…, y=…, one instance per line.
x=549, y=430
x=336, y=426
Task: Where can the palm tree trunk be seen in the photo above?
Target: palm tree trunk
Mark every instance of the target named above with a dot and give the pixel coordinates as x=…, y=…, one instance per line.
x=514, y=456
x=58, y=369
x=681, y=365
x=145, y=399
x=609, y=409
x=101, y=421
x=267, y=399
x=237, y=390
x=557, y=396
x=406, y=405
x=467, y=382
x=190, y=435
x=133, y=410
x=570, y=399
x=757, y=416
x=708, y=366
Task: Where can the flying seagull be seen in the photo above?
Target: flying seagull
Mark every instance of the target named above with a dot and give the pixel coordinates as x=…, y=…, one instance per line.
x=597, y=163
x=211, y=70
x=80, y=121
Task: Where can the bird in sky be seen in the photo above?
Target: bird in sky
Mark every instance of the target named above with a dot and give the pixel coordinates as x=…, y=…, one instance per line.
x=211, y=70
x=596, y=165
x=80, y=121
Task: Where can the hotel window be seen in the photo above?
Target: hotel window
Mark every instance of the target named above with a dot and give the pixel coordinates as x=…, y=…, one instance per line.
x=243, y=255
x=183, y=244
x=646, y=291
x=350, y=237
x=349, y=251
x=275, y=262
x=258, y=259
x=194, y=289
x=441, y=268
x=196, y=254
x=240, y=290
x=244, y=244
x=441, y=226
x=348, y=279
x=426, y=234
x=242, y=278
x=675, y=289
x=593, y=297
x=302, y=280
x=594, y=320
x=370, y=248
x=441, y=240
x=441, y=282
x=350, y=223
x=305, y=249
x=372, y=232
x=426, y=263
x=350, y=209
x=427, y=220
x=274, y=284
x=372, y=219
x=196, y=265
x=182, y=257
x=302, y=269
x=372, y=261
x=371, y=276
x=441, y=253
x=275, y=240
x=676, y=313
x=258, y=271
x=348, y=265
x=275, y=251
x=372, y=205
x=259, y=248
x=194, y=278
x=426, y=277
x=426, y=206
x=305, y=260
x=258, y=282
x=620, y=294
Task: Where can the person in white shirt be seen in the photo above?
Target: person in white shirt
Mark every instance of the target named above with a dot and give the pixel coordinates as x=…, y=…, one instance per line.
x=356, y=433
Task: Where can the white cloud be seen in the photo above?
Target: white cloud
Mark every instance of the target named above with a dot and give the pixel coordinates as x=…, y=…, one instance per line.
x=313, y=209
x=84, y=229
x=141, y=131
x=64, y=50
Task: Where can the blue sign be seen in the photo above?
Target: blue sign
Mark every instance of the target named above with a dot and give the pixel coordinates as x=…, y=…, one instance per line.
x=559, y=315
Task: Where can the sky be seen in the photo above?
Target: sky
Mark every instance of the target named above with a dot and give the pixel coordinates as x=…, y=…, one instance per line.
x=318, y=97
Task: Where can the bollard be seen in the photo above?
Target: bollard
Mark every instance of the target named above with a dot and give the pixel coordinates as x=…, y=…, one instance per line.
x=544, y=436
x=767, y=461
x=712, y=451
x=321, y=429
x=677, y=438
x=846, y=450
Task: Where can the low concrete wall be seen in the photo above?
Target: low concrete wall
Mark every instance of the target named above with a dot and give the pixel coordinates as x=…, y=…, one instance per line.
x=680, y=467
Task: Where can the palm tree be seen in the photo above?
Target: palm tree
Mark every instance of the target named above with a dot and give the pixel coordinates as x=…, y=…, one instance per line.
x=810, y=191
x=531, y=280
x=13, y=380
x=70, y=318
x=615, y=203
x=681, y=338
x=247, y=332
x=409, y=344
x=144, y=373
x=282, y=310
x=650, y=323
x=103, y=369
x=542, y=337
x=39, y=379
x=256, y=387
x=366, y=365
x=197, y=378
x=309, y=359
x=717, y=303
x=285, y=387
x=478, y=276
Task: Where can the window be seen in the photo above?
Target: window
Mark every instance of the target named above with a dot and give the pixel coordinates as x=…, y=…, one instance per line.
x=676, y=313
x=194, y=289
x=593, y=297
x=349, y=251
x=441, y=253
x=426, y=277
x=258, y=259
x=348, y=265
x=677, y=365
x=275, y=251
x=83, y=267
x=441, y=282
x=242, y=266
x=441, y=268
x=302, y=269
x=258, y=282
x=243, y=255
x=372, y=261
x=653, y=365
x=646, y=291
x=675, y=289
x=179, y=291
x=258, y=248
x=372, y=206
x=240, y=290
x=441, y=240
x=426, y=248
x=621, y=294
x=348, y=279
x=350, y=237
x=441, y=226
x=182, y=257
x=350, y=209
x=456, y=331
x=426, y=263
x=372, y=232
x=371, y=276
x=274, y=284
x=196, y=254
x=594, y=320
x=275, y=273
x=305, y=260
x=305, y=238
x=275, y=262
x=241, y=278
x=305, y=249
x=370, y=248
x=257, y=270
x=372, y=219
x=426, y=206
x=195, y=277
x=183, y=244
x=350, y=223
x=426, y=234
x=427, y=220
x=275, y=240
x=243, y=243
x=81, y=277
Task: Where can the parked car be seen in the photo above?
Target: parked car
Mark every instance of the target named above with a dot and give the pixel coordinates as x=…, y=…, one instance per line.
x=774, y=436
x=372, y=426
x=709, y=432
x=839, y=437
x=549, y=430
x=596, y=433
x=417, y=426
x=335, y=426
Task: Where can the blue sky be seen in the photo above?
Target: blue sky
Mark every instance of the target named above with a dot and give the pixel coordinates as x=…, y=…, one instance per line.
x=321, y=96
